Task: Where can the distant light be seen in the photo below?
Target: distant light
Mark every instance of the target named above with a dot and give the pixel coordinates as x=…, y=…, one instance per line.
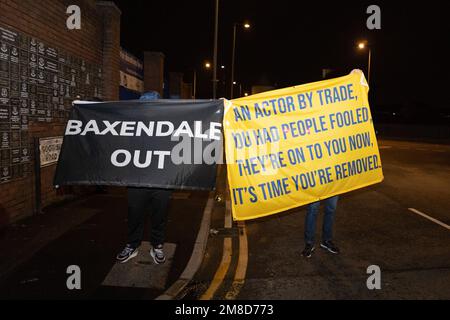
x=393, y=113
x=234, y=82
x=246, y=94
x=247, y=25
x=222, y=67
x=361, y=45
x=207, y=65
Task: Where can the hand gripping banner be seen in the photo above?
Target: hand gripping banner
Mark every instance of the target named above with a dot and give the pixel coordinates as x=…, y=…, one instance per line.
x=290, y=147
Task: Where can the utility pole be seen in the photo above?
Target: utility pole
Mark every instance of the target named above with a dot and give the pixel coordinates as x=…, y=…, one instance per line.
x=216, y=34
x=232, y=60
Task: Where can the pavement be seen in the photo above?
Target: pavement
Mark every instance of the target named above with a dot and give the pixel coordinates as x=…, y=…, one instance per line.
x=35, y=253
x=399, y=225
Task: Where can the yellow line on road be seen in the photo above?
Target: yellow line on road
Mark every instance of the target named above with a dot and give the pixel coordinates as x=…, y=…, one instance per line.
x=241, y=270
x=224, y=265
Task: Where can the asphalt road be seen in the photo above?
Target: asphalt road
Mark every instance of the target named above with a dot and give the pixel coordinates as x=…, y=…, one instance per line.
x=374, y=226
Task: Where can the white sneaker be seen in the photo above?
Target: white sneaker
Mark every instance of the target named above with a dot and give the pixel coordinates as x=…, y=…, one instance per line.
x=126, y=254
x=157, y=254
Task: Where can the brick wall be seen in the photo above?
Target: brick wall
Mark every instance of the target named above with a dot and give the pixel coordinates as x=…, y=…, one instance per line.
x=110, y=15
x=154, y=72
x=186, y=92
x=175, y=85
x=178, y=89
x=98, y=43
x=46, y=20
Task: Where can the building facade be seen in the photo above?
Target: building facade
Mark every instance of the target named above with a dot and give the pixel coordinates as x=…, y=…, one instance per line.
x=44, y=66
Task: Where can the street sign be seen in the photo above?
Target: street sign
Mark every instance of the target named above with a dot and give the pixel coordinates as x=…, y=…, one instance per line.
x=49, y=149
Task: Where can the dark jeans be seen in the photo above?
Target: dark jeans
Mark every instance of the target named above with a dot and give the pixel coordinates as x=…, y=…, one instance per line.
x=328, y=220
x=142, y=201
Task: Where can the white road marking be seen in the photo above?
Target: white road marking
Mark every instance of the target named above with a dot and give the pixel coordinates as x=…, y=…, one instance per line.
x=385, y=147
x=446, y=226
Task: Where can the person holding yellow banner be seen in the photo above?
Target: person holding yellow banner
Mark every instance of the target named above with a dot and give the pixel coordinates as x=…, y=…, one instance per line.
x=300, y=145
x=327, y=227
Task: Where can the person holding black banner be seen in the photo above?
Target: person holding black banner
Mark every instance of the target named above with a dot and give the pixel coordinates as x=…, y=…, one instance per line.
x=131, y=144
x=139, y=201
x=327, y=227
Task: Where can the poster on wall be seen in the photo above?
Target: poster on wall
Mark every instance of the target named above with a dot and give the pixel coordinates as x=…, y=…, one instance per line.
x=49, y=149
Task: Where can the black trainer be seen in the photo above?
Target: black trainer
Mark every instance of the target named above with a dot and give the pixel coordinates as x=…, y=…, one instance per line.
x=127, y=253
x=330, y=246
x=157, y=254
x=307, y=252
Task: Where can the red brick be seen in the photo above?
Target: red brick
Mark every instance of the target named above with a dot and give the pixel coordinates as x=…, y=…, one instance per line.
x=46, y=20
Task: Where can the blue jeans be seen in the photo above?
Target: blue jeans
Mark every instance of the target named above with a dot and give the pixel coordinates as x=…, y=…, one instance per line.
x=328, y=220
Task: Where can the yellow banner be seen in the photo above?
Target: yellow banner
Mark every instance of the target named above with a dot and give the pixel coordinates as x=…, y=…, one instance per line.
x=290, y=147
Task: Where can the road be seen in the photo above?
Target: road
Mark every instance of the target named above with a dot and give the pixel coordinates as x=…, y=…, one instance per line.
x=400, y=225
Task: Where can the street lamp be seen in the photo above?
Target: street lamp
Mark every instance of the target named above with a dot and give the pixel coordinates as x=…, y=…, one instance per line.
x=194, y=89
x=207, y=65
x=222, y=80
x=361, y=46
x=235, y=25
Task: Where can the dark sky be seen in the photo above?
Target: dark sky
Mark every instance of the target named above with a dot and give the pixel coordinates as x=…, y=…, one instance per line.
x=291, y=41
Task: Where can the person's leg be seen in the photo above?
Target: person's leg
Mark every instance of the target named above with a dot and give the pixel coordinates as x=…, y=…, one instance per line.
x=328, y=219
x=138, y=201
x=310, y=222
x=159, y=206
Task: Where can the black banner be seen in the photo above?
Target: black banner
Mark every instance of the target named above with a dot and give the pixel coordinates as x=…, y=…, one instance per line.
x=160, y=144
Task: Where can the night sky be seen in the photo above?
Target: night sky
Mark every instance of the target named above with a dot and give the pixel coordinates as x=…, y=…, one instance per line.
x=291, y=41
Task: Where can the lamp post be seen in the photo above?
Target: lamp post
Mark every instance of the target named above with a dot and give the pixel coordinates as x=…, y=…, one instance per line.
x=223, y=81
x=361, y=46
x=235, y=25
x=216, y=31
x=194, y=89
